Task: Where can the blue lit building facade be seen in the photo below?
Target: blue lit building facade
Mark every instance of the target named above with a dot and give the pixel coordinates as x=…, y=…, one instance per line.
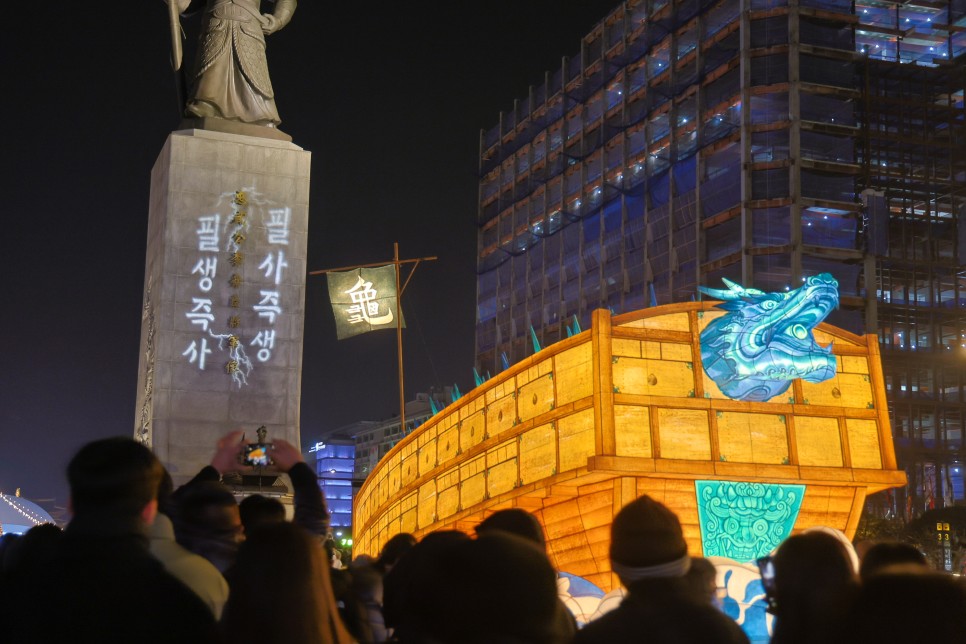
x=333, y=465
x=344, y=459
x=762, y=141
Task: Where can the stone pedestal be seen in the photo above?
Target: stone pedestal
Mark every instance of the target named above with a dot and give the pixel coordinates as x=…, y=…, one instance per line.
x=224, y=295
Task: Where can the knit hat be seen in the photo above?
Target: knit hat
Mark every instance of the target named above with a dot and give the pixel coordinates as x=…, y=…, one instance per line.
x=647, y=541
x=516, y=521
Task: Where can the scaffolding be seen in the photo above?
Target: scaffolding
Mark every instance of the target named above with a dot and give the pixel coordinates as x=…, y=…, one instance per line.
x=757, y=140
x=913, y=157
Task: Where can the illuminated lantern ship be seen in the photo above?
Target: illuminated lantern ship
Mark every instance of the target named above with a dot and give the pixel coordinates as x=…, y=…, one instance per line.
x=626, y=408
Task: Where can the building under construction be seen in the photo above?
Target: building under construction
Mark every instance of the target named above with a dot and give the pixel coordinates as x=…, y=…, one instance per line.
x=762, y=141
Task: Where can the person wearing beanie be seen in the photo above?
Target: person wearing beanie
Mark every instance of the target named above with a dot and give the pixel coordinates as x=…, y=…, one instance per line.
x=521, y=523
x=650, y=556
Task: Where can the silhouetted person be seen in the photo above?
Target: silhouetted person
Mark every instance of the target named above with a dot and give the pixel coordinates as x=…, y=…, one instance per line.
x=451, y=589
x=702, y=576
x=366, y=591
x=862, y=546
x=309, y=512
x=8, y=546
x=814, y=587
x=209, y=519
x=281, y=592
x=209, y=523
x=194, y=571
x=37, y=546
x=414, y=587
x=649, y=554
x=886, y=555
x=916, y=605
x=103, y=585
x=505, y=591
x=363, y=603
x=515, y=521
x=397, y=547
x=524, y=524
x=257, y=510
x=351, y=609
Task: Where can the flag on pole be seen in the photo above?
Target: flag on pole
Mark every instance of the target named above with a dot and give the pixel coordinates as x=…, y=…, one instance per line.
x=363, y=300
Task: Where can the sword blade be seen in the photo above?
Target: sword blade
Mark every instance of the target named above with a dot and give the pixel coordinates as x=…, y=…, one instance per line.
x=175, y=34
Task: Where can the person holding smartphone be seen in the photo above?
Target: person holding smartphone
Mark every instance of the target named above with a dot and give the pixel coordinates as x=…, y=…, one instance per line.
x=649, y=553
x=209, y=521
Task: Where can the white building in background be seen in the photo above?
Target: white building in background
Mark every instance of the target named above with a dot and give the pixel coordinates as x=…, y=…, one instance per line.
x=344, y=459
x=373, y=440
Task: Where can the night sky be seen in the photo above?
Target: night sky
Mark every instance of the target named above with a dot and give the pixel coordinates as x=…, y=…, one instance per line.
x=388, y=97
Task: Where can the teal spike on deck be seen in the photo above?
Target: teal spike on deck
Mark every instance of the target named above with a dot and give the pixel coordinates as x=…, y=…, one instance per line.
x=533, y=338
x=455, y=394
x=432, y=406
x=576, y=325
x=505, y=361
x=650, y=288
x=477, y=378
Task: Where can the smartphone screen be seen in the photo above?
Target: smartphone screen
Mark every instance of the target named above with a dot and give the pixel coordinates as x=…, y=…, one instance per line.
x=767, y=569
x=256, y=455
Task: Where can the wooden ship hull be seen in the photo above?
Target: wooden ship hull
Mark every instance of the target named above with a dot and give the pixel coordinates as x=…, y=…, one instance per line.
x=583, y=427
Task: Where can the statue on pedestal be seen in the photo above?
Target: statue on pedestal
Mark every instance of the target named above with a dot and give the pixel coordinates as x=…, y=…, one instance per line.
x=230, y=78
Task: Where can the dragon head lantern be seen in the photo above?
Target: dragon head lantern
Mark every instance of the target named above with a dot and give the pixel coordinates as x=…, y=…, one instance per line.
x=764, y=340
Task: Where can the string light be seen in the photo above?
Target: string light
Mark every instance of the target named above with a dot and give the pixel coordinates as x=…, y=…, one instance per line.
x=35, y=518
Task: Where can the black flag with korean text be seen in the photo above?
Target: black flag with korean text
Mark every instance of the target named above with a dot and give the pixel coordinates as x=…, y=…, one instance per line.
x=363, y=300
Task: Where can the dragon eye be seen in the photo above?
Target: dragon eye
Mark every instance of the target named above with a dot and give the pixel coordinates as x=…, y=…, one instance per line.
x=768, y=305
x=799, y=331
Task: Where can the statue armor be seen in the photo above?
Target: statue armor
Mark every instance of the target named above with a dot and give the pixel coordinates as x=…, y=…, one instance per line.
x=231, y=78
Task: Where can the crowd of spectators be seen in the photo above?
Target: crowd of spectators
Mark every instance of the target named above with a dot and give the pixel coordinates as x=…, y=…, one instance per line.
x=140, y=561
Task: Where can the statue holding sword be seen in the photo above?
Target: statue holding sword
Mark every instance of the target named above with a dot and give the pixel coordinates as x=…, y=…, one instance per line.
x=230, y=76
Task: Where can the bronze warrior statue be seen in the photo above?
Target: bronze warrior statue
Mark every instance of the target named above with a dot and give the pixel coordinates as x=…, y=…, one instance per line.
x=230, y=77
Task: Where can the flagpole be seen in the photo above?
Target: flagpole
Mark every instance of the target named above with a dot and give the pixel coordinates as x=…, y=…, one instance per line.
x=399, y=349
x=399, y=293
